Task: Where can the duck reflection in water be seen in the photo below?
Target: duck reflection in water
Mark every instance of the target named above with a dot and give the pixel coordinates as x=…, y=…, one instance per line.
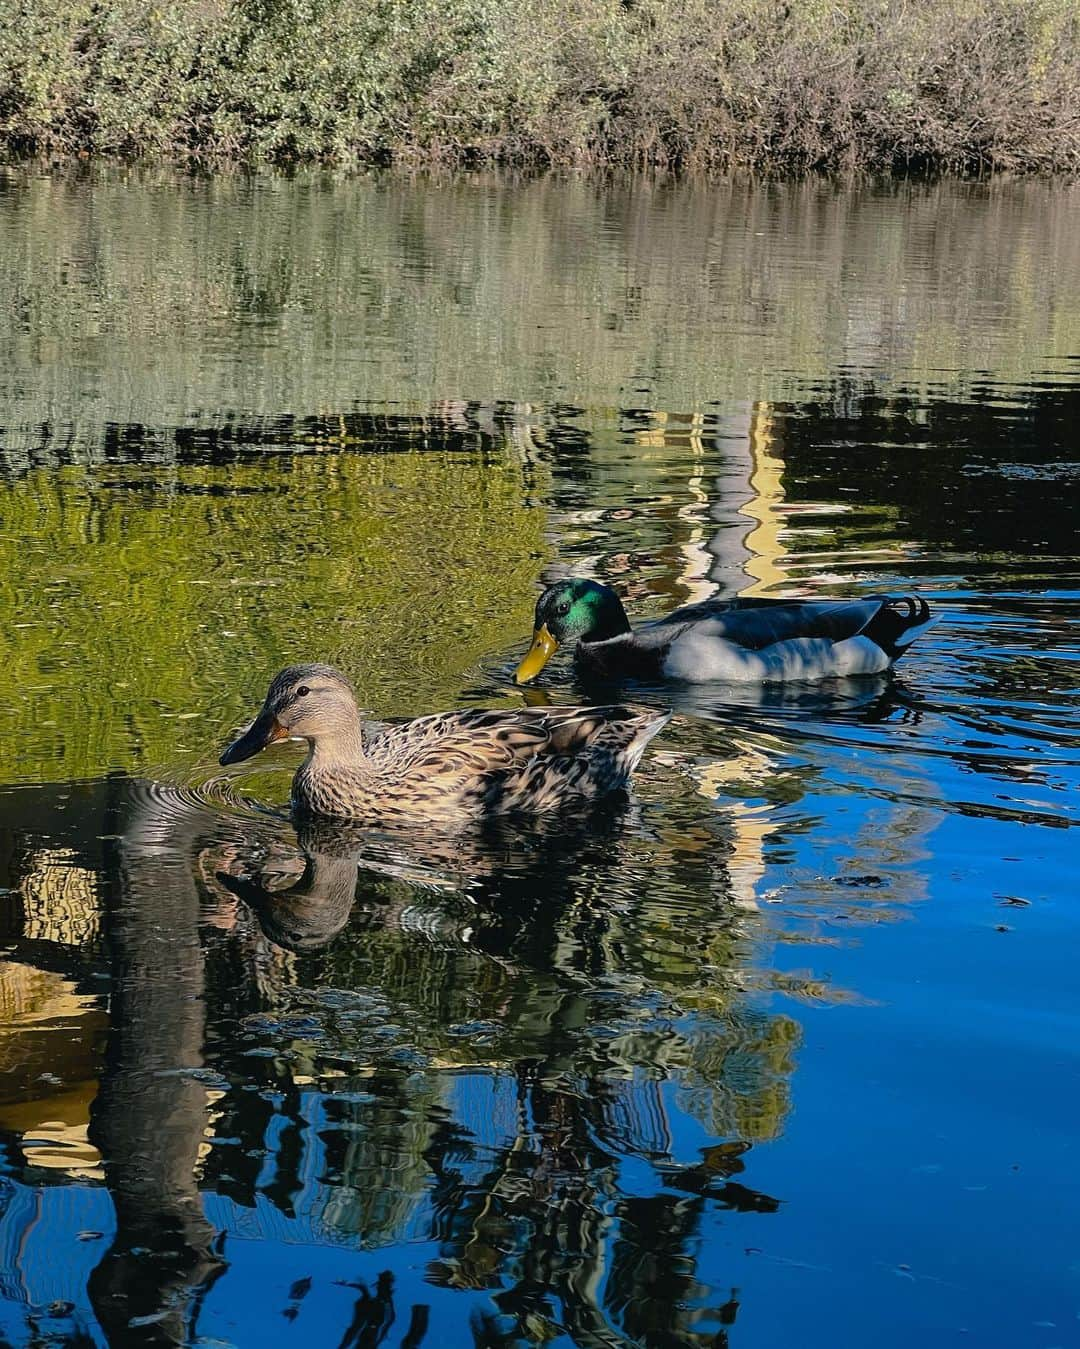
x=535, y=994
x=304, y=896
x=149, y=1119
x=302, y=899
x=532, y=1203
x=867, y=699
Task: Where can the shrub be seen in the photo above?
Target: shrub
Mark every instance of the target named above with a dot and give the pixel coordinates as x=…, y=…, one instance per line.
x=775, y=85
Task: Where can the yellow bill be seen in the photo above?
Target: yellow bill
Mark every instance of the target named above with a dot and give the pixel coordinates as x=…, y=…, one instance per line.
x=538, y=655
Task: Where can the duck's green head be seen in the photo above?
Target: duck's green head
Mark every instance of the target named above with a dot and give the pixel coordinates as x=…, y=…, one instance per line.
x=571, y=611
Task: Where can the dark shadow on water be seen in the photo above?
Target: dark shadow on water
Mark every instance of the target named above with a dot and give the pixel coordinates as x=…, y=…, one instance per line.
x=149, y=1117
x=869, y=697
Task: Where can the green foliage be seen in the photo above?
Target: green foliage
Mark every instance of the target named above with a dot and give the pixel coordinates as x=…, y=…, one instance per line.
x=698, y=84
x=149, y=615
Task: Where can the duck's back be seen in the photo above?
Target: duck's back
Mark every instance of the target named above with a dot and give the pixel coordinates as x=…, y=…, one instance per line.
x=491, y=761
x=759, y=640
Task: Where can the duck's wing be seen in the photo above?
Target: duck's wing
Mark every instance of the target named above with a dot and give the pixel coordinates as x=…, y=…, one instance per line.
x=502, y=737
x=765, y=641
x=476, y=753
x=460, y=742
x=755, y=623
x=587, y=751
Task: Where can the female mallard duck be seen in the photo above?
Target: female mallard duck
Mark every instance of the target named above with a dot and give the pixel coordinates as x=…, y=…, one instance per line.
x=746, y=640
x=446, y=767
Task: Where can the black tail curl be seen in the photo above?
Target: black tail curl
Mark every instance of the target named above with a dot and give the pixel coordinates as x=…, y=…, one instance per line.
x=898, y=622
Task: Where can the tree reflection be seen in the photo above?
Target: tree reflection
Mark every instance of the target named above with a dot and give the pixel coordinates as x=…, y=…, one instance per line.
x=149, y=1117
x=495, y=1043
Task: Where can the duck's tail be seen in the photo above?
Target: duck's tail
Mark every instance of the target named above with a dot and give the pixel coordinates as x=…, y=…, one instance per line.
x=648, y=724
x=898, y=622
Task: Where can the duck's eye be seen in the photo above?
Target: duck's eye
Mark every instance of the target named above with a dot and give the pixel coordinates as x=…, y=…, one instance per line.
x=302, y=691
x=563, y=609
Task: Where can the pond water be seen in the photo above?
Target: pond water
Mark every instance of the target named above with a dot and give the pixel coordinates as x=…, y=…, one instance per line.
x=780, y=1050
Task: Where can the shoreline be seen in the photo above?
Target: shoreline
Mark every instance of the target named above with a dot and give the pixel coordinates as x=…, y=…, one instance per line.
x=79, y=165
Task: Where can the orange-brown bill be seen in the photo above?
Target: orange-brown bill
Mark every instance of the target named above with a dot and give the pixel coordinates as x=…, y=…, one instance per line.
x=263, y=731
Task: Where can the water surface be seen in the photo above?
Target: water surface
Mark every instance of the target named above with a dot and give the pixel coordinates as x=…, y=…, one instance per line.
x=781, y=1049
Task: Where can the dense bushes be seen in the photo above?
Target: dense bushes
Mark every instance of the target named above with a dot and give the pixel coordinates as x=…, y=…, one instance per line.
x=688, y=84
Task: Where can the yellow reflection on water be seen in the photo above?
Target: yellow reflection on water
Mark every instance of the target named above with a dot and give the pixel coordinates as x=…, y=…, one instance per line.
x=49, y=1035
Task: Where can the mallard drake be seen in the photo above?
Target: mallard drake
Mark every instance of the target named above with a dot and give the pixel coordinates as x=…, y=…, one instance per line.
x=744, y=640
x=450, y=766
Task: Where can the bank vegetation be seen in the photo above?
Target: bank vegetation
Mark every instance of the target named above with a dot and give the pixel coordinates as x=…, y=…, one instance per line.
x=687, y=85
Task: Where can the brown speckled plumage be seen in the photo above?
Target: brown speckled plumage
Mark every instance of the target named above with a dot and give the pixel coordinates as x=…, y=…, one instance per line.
x=448, y=766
